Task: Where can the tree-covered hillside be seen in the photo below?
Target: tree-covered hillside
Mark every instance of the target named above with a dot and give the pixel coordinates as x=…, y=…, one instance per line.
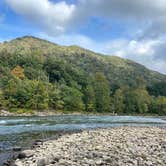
x=37, y=74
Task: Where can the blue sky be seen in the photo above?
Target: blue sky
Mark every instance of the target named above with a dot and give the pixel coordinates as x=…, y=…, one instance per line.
x=128, y=29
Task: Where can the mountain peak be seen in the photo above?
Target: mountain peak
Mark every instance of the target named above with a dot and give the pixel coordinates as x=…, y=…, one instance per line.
x=31, y=38
x=26, y=44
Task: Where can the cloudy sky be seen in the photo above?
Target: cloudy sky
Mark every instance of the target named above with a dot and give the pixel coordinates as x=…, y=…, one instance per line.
x=127, y=28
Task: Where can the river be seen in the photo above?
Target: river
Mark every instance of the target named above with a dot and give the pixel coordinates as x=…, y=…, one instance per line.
x=23, y=131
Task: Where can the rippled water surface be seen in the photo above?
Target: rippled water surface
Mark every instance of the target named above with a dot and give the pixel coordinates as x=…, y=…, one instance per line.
x=21, y=131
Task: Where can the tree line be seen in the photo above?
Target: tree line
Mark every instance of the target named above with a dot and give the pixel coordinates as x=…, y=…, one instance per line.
x=36, y=82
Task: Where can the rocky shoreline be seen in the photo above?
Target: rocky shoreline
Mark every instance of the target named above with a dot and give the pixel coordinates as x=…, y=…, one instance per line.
x=115, y=146
x=4, y=113
x=8, y=157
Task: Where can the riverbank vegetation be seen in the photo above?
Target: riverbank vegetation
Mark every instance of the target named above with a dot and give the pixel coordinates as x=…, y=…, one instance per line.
x=38, y=75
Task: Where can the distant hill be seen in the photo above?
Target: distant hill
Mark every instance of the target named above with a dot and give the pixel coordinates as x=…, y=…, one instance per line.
x=72, y=66
x=117, y=70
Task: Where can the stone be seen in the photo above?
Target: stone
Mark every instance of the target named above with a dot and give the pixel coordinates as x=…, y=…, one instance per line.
x=98, y=162
x=41, y=162
x=16, y=149
x=7, y=163
x=25, y=154
x=149, y=163
x=21, y=155
x=19, y=163
x=53, y=162
x=56, y=159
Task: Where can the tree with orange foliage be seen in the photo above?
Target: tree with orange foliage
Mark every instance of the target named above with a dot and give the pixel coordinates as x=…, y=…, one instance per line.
x=18, y=72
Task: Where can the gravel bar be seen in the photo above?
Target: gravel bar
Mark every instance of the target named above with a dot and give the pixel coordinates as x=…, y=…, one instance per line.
x=119, y=146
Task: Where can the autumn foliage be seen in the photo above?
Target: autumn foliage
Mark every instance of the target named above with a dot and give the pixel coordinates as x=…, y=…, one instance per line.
x=18, y=72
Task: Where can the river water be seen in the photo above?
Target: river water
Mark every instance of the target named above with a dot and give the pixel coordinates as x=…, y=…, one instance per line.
x=22, y=131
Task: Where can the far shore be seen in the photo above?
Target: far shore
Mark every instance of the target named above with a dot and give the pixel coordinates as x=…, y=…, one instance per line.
x=5, y=113
x=51, y=113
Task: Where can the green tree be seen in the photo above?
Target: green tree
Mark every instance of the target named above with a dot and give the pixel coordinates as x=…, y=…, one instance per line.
x=26, y=94
x=89, y=98
x=72, y=99
x=102, y=93
x=159, y=105
x=35, y=74
x=118, y=101
x=137, y=101
x=55, y=98
x=15, y=93
x=157, y=89
x=143, y=100
x=38, y=93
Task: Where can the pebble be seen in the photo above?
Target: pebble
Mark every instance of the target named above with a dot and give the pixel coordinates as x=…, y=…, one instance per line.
x=130, y=146
x=25, y=154
x=41, y=162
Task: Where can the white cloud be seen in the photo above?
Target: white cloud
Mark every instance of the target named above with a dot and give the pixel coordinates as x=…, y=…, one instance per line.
x=124, y=8
x=146, y=12
x=147, y=45
x=59, y=16
x=53, y=17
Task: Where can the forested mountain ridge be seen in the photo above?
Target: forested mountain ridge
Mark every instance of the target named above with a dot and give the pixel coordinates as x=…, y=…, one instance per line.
x=28, y=45
x=72, y=78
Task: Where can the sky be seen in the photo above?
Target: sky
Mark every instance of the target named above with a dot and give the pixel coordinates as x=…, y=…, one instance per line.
x=129, y=29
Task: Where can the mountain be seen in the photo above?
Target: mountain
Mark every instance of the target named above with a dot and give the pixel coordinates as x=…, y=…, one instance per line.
x=72, y=66
x=116, y=69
